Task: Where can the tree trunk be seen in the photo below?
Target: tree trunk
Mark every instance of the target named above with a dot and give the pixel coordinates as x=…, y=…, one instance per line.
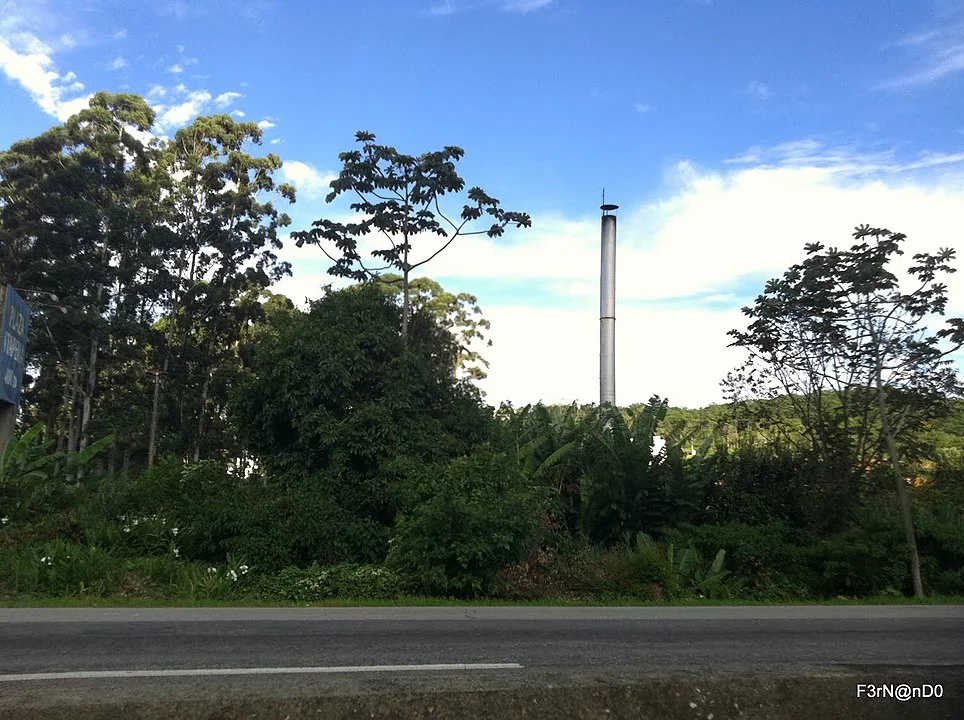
x=88, y=395
x=112, y=459
x=406, y=303
x=152, y=439
x=203, y=411
x=73, y=434
x=94, y=346
x=902, y=494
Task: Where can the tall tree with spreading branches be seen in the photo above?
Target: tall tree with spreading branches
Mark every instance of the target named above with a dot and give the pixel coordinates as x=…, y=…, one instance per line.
x=841, y=320
x=398, y=196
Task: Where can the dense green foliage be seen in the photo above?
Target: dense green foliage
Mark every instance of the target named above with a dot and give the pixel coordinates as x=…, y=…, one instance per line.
x=189, y=434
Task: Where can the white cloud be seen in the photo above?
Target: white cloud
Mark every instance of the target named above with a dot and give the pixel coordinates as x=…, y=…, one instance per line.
x=118, y=64
x=758, y=90
x=265, y=124
x=177, y=68
x=120, y=35
x=28, y=61
x=641, y=107
x=174, y=116
x=225, y=99
x=238, y=113
x=274, y=141
x=305, y=178
x=67, y=41
x=686, y=261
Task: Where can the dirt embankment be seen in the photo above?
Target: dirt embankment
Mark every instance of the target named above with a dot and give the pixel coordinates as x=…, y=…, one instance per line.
x=745, y=698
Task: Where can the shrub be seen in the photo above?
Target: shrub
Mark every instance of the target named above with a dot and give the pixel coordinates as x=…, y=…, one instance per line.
x=479, y=517
x=57, y=568
x=348, y=581
x=211, y=582
x=640, y=569
x=940, y=542
x=862, y=561
x=762, y=557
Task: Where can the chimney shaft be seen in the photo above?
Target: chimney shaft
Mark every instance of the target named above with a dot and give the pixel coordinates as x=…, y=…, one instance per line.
x=607, y=309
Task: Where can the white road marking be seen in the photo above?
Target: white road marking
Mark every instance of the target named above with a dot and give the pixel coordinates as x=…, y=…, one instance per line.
x=101, y=674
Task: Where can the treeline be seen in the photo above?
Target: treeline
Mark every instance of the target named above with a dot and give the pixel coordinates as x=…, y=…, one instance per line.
x=188, y=433
x=145, y=263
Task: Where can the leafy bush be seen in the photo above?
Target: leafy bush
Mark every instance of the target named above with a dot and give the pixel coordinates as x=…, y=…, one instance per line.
x=36, y=481
x=940, y=542
x=640, y=569
x=478, y=517
x=198, y=582
x=861, y=562
x=349, y=581
x=292, y=521
x=692, y=575
x=626, y=484
x=762, y=557
x=59, y=568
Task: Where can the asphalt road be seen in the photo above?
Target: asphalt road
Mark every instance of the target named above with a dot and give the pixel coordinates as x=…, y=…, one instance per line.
x=252, y=648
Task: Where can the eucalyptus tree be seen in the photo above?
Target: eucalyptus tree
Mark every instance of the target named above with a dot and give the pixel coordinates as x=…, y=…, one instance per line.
x=220, y=204
x=841, y=320
x=398, y=197
x=77, y=218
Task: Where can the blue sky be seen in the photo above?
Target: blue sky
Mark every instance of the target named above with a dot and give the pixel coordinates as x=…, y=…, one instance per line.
x=730, y=133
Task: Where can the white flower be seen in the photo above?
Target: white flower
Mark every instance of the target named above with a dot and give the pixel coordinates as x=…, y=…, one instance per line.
x=212, y=570
x=243, y=569
x=174, y=531
x=177, y=553
x=126, y=529
x=233, y=575
x=3, y=520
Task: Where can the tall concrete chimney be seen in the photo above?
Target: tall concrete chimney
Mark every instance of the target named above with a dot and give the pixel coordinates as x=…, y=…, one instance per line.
x=607, y=308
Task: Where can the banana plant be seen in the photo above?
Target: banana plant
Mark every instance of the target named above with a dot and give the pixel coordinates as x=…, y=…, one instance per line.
x=31, y=473
x=24, y=459
x=695, y=575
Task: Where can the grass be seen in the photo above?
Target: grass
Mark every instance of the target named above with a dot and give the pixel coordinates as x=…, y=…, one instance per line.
x=412, y=601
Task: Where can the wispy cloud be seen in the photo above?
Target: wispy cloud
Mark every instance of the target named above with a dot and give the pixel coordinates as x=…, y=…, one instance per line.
x=176, y=69
x=238, y=113
x=936, y=54
x=118, y=64
x=642, y=108
x=842, y=159
x=758, y=91
x=443, y=8
x=521, y=7
x=265, y=124
x=525, y=6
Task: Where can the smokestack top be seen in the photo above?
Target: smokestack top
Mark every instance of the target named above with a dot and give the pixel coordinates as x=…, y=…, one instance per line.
x=607, y=208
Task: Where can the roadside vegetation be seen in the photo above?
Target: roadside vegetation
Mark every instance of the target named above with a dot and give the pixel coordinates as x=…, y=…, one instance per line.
x=189, y=437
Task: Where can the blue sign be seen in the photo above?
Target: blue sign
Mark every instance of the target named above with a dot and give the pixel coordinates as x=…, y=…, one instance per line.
x=13, y=345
